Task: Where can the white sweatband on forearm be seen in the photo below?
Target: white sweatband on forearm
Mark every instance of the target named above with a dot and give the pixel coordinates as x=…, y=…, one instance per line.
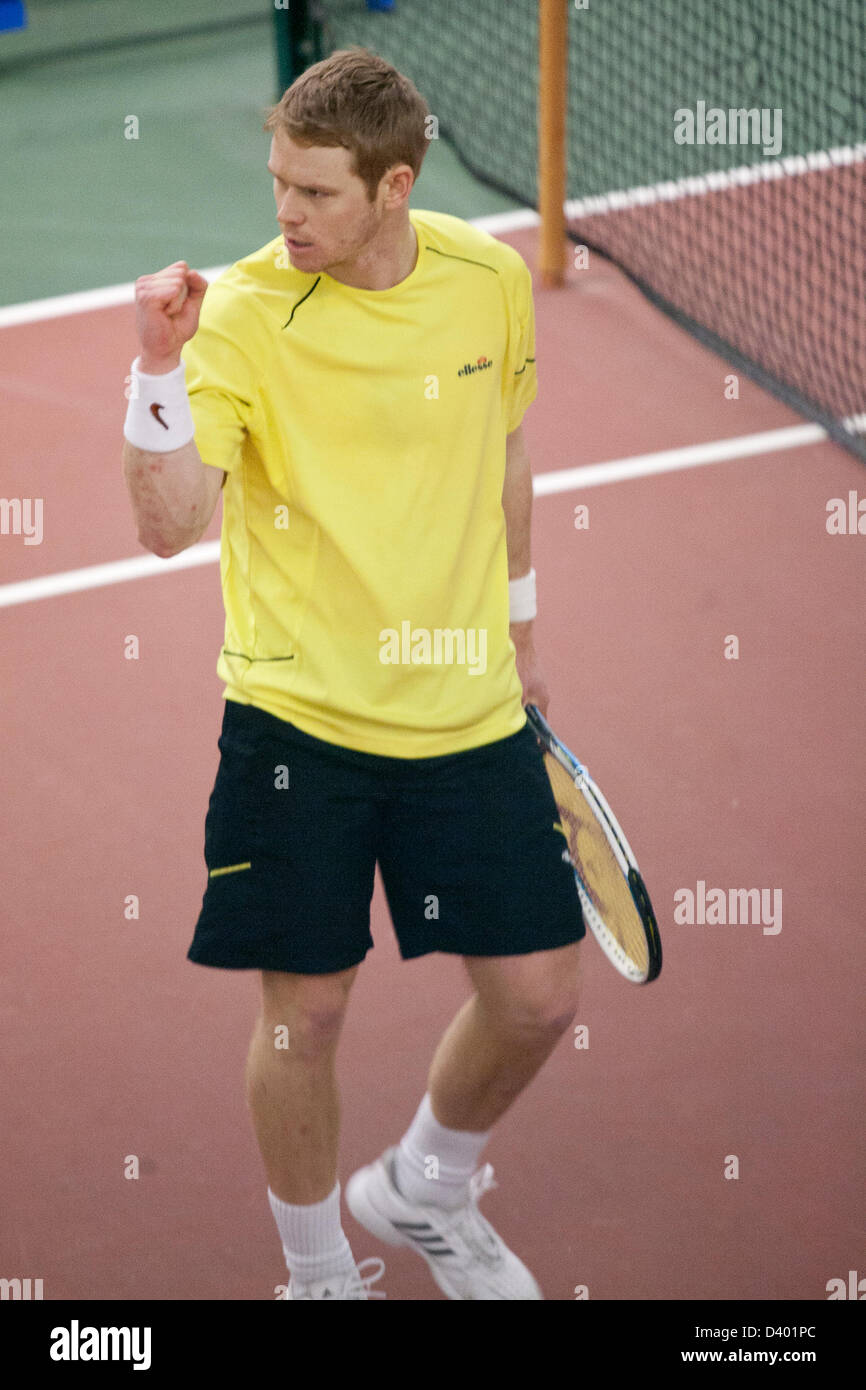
x=159, y=418
x=521, y=598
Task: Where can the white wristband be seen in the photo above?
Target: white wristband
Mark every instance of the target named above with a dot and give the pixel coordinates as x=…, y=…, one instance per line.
x=159, y=419
x=521, y=598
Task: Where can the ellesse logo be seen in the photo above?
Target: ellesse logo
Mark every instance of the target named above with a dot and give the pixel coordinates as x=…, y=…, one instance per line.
x=479, y=365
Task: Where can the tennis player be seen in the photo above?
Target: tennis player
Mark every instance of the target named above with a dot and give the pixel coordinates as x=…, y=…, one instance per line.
x=356, y=388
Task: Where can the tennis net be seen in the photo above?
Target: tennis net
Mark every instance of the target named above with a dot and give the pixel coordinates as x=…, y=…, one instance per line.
x=716, y=153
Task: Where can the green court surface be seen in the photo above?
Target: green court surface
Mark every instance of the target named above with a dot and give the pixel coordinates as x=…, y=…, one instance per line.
x=86, y=206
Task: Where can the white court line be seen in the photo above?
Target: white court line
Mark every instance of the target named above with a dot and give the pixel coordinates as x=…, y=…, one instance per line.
x=87, y=301
x=615, y=200
x=669, y=460
x=545, y=484
x=718, y=180
x=96, y=576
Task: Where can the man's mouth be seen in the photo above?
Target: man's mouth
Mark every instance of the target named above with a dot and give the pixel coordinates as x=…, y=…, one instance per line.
x=295, y=245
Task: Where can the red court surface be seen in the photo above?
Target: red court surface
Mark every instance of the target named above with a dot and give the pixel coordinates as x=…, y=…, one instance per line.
x=736, y=773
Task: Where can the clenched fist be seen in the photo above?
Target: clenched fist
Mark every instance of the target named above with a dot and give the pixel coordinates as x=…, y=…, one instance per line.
x=167, y=308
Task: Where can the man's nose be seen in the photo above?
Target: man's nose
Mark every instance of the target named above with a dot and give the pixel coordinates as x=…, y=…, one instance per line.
x=288, y=209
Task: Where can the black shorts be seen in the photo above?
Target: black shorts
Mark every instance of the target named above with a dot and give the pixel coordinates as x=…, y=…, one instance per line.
x=467, y=846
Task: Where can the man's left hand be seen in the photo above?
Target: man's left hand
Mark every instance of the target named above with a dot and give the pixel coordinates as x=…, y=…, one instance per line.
x=529, y=668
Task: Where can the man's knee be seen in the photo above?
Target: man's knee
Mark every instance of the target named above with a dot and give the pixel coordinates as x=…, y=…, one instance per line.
x=536, y=996
x=309, y=1008
x=542, y=1013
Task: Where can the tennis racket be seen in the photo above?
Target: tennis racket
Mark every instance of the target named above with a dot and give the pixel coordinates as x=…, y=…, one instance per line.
x=613, y=895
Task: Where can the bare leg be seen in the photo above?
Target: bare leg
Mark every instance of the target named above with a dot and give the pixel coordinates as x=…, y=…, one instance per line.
x=502, y=1035
x=292, y=1092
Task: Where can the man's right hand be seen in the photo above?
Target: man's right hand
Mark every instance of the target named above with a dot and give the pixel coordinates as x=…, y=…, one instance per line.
x=167, y=308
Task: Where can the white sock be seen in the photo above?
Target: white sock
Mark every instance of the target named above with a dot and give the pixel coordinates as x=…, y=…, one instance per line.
x=313, y=1241
x=456, y=1152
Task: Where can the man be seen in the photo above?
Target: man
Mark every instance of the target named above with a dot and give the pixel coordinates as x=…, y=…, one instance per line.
x=358, y=386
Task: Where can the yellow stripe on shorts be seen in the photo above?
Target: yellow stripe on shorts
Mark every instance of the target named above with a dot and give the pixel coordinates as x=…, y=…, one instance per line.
x=229, y=869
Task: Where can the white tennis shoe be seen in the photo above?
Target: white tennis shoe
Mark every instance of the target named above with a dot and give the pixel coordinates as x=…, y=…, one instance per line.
x=467, y=1258
x=355, y=1285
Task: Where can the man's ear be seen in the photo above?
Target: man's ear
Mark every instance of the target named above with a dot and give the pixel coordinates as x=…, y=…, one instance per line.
x=400, y=181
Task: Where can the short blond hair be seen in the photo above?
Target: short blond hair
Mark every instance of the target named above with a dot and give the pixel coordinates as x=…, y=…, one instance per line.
x=357, y=100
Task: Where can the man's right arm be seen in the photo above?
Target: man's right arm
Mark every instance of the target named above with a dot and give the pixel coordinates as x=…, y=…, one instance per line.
x=173, y=494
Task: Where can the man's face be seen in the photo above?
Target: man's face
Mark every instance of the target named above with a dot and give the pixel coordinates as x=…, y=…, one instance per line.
x=322, y=206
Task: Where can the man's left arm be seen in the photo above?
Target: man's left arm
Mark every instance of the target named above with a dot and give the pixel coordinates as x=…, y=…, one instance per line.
x=517, y=505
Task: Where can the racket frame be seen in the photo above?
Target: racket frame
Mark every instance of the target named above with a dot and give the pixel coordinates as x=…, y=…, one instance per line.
x=622, y=853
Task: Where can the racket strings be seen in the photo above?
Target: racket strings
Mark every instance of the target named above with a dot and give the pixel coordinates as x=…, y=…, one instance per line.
x=600, y=873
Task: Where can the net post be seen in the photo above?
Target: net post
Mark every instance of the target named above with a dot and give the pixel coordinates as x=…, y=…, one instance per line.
x=552, y=100
x=298, y=38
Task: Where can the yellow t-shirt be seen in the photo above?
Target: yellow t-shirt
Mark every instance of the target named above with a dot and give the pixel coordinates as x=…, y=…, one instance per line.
x=363, y=553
